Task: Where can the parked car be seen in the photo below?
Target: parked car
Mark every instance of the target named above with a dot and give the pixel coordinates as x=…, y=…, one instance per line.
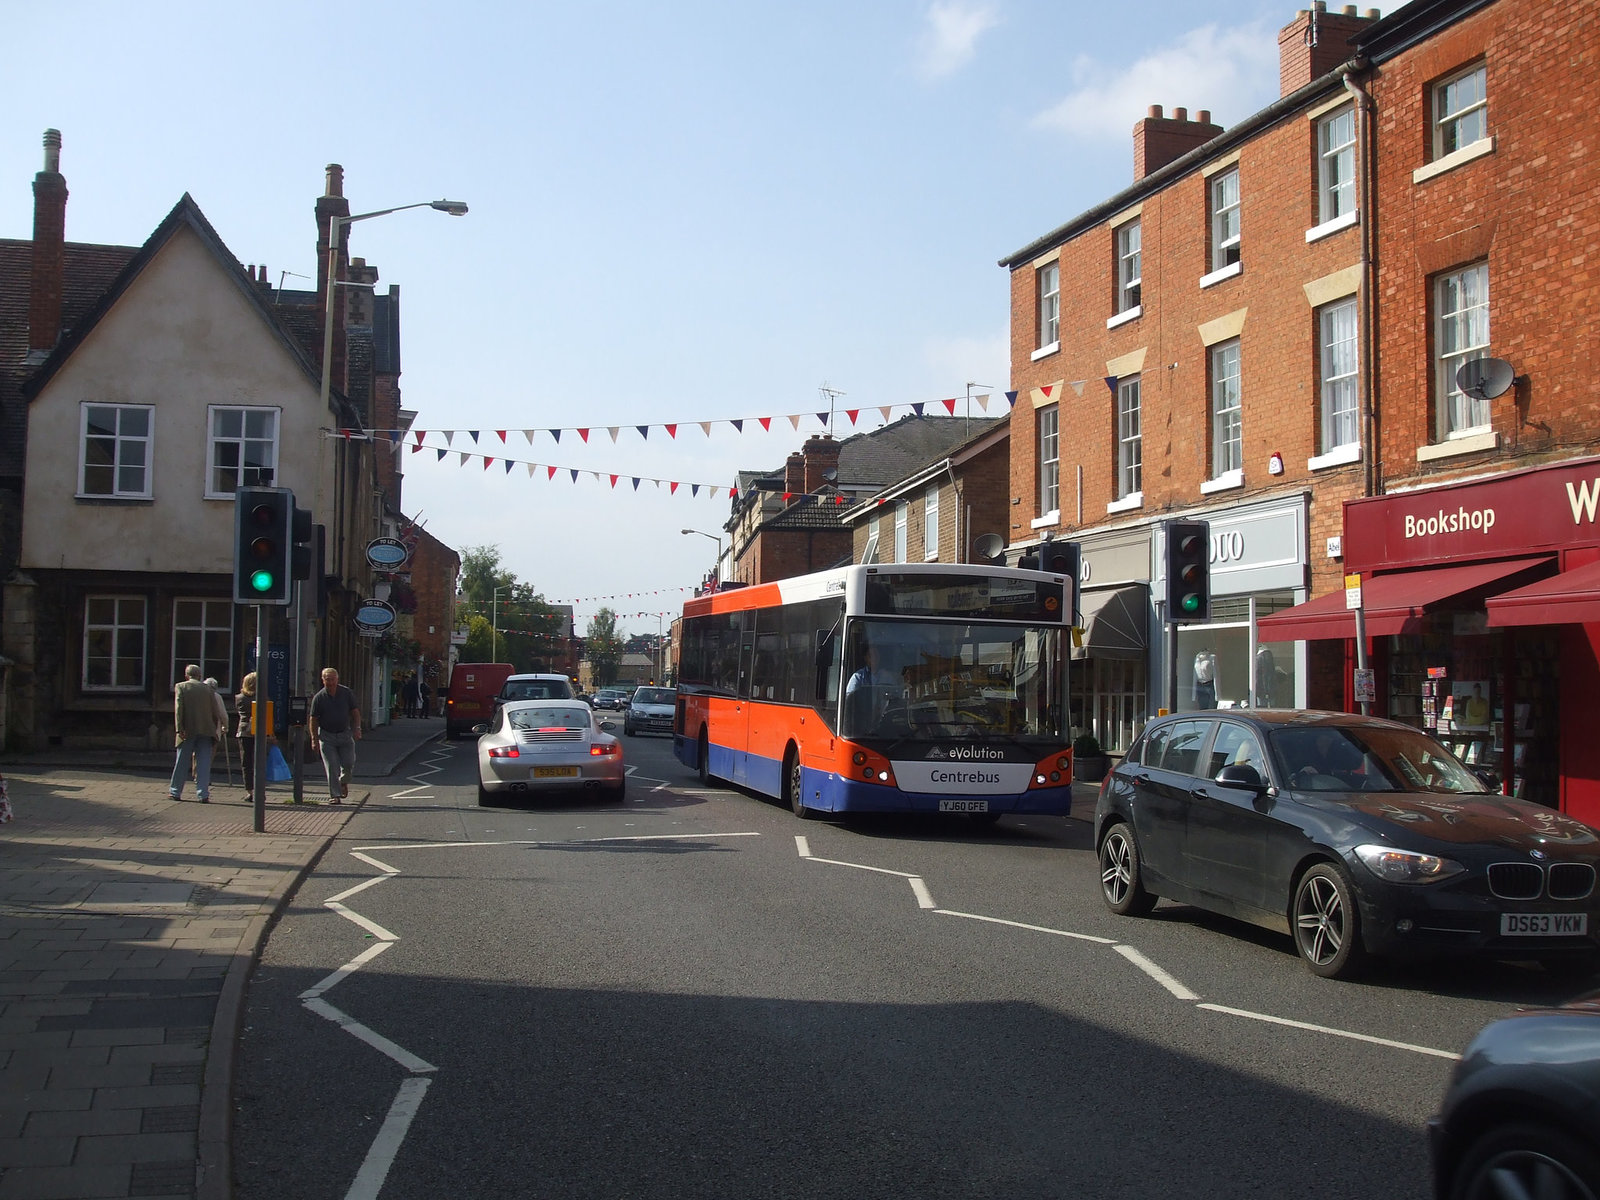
x=469, y=698
x=650, y=711
x=557, y=746
x=612, y=698
x=1521, y=1116
x=1353, y=834
x=535, y=687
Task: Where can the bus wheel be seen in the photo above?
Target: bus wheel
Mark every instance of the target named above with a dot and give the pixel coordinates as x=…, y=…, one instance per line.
x=704, y=760
x=794, y=784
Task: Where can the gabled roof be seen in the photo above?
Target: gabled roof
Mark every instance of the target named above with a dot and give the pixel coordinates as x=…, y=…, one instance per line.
x=986, y=439
x=87, y=270
x=185, y=214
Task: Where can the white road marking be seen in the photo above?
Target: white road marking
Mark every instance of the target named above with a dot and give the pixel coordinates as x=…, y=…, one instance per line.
x=1156, y=973
x=360, y=887
x=372, y=1038
x=802, y=845
x=372, y=927
x=382, y=866
x=1066, y=933
x=1328, y=1029
x=374, y=1171
x=642, y=837
x=920, y=890
x=833, y=862
x=339, y=976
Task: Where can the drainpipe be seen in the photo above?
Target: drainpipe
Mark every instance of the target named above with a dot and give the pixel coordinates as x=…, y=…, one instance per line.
x=955, y=491
x=1366, y=137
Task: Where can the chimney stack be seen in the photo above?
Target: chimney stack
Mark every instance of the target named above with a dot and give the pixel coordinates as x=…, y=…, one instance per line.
x=332, y=204
x=821, y=454
x=1159, y=140
x=49, y=250
x=794, y=474
x=1316, y=42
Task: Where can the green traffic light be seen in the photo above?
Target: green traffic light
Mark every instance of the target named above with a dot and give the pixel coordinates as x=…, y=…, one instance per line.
x=261, y=581
x=1191, y=603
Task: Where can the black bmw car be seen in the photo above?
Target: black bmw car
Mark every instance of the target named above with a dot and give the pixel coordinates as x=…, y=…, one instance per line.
x=1353, y=834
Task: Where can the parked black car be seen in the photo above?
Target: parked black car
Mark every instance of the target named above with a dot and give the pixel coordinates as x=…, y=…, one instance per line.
x=1353, y=834
x=1521, y=1116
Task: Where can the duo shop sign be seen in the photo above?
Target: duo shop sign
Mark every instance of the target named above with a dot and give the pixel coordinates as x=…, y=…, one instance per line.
x=1541, y=508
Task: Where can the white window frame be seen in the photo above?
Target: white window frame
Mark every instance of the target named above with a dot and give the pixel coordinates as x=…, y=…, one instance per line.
x=1225, y=226
x=930, y=523
x=215, y=441
x=1049, y=419
x=1336, y=166
x=122, y=449
x=218, y=666
x=1130, y=438
x=1460, y=333
x=1130, y=272
x=128, y=616
x=1049, y=291
x=901, y=511
x=1227, y=410
x=1339, y=376
x=1460, y=116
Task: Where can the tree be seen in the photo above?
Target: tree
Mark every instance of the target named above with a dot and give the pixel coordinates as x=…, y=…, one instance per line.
x=481, y=575
x=604, y=647
x=479, y=638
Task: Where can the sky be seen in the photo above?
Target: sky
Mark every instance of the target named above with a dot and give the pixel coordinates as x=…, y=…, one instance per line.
x=680, y=213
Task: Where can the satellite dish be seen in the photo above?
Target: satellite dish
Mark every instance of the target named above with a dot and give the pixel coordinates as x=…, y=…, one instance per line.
x=1485, y=378
x=989, y=545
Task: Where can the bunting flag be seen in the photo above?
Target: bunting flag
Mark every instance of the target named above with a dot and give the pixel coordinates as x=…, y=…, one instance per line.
x=584, y=434
x=474, y=434
x=501, y=434
x=950, y=406
x=528, y=433
x=766, y=422
x=613, y=430
x=1011, y=399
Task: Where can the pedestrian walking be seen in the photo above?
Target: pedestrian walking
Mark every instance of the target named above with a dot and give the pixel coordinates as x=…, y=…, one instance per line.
x=424, y=694
x=195, y=729
x=335, y=724
x=246, y=736
x=408, y=694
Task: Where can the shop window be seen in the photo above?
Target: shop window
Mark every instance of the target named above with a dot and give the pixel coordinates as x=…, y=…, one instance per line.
x=1219, y=667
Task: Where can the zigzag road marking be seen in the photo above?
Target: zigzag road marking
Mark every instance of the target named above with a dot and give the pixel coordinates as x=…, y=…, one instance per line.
x=429, y=766
x=1173, y=986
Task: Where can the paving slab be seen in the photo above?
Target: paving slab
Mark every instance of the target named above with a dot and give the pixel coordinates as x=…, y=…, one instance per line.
x=129, y=924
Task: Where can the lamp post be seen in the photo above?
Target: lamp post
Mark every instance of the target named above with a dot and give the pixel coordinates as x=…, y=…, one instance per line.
x=336, y=225
x=494, y=622
x=715, y=538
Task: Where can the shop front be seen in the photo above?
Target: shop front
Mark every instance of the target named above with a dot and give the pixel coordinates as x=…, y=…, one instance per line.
x=1258, y=567
x=1481, y=602
x=1109, y=669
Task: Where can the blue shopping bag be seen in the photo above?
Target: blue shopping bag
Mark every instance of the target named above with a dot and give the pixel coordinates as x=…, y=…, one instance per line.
x=277, y=765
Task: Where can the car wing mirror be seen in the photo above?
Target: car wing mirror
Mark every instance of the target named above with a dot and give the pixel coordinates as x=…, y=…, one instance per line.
x=1242, y=776
x=480, y=730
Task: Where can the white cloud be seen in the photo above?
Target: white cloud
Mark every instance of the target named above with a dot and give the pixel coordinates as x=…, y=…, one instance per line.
x=951, y=37
x=1231, y=72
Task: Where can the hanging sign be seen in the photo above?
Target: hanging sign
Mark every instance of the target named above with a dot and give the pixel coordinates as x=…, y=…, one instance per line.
x=386, y=553
x=375, y=616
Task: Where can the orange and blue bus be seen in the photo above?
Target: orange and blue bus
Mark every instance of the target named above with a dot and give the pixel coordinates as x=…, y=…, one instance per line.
x=901, y=687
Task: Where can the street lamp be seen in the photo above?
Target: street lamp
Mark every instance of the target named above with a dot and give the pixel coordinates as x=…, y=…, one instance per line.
x=494, y=622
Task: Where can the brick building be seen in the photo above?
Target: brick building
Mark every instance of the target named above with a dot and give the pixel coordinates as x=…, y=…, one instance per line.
x=1167, y=348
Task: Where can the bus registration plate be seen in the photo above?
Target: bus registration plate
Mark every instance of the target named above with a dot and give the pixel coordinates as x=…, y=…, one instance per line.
x=964, y=806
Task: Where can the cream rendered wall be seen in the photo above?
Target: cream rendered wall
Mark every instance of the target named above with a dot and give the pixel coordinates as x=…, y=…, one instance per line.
x=183, y=336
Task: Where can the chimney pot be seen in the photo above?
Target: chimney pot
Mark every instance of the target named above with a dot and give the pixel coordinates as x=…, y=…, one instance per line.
x=335, y=183
x=1349, y=10
x=1155, y=111
x=1180, y=113
x=52, y=151
x=1203, y=116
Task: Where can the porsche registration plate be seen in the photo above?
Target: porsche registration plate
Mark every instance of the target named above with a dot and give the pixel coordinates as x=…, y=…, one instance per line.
x=1544, y=924
x=554, y=772
x=964, y=806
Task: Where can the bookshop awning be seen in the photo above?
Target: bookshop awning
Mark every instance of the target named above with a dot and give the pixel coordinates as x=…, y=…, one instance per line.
x=1114, y=621
x=1572, y=597
x=1394, y=603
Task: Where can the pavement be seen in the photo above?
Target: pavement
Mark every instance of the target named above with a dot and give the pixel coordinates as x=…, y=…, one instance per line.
x=129, y=925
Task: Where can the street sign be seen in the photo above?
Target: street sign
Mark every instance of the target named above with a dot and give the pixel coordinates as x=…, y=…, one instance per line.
x=374, y=616
x=387, y=553
x=1352, y=591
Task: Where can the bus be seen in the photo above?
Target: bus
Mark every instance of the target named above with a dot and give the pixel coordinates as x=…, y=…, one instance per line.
x=889, y=688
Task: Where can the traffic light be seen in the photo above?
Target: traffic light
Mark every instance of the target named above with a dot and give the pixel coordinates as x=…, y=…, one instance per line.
x=1064, y=558
x=261, y=546
x=1188, y=570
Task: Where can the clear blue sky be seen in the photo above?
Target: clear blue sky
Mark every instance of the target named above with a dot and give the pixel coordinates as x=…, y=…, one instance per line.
x=680, y=213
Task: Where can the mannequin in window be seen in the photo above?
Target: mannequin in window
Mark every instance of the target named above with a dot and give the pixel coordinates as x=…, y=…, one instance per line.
x=1266, y=668
x=1205, y=679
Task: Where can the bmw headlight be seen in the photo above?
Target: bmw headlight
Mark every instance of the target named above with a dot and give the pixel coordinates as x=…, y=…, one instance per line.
x=1407, y=866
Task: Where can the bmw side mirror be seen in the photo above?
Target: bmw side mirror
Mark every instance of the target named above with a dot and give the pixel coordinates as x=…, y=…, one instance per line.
x=1242, y=776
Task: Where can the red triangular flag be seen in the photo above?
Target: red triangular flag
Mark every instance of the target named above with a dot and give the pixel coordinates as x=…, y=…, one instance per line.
x=486, y=463
x=672, y=431
x=584, y=434
x=950, y=406
x=766, y=423
x=852, y=413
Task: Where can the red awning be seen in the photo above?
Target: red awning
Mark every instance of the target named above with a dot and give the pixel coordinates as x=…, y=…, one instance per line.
x=1394, y=603
x=1572, y=597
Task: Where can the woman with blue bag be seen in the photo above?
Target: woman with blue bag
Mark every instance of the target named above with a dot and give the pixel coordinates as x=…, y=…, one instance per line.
x=244, y=702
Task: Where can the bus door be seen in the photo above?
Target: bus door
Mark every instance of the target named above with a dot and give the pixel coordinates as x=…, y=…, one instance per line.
x=738, y=731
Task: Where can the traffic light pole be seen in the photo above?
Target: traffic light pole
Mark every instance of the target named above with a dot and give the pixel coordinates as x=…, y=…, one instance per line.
x=258, y=785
